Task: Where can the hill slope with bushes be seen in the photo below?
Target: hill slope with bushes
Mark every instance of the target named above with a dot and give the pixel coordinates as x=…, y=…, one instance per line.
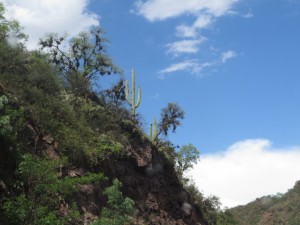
x=268, y=210
x=72, y=154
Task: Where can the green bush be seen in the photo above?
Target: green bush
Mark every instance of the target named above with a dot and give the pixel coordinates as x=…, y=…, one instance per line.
x=11, y=122
x=103, y=147
x=120, y=209
x=186, y=157
x=42, y=75
x=5, y=126
x=210, y=206
x=39, y=191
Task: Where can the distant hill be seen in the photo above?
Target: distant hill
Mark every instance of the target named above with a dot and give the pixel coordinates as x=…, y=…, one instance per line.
x=270, y=210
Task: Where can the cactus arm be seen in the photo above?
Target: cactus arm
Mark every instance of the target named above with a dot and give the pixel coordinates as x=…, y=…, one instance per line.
x=133, y=93
x=127, y=92
x=139, y=98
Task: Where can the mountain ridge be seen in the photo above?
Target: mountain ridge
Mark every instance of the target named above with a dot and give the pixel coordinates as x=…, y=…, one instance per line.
x=271, y=209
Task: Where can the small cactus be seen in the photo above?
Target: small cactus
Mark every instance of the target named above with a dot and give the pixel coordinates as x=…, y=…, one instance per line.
x=132, y=102
x=151, y=134
x=153, y=130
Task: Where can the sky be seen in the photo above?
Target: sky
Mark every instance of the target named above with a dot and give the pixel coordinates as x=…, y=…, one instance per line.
x=232, y=65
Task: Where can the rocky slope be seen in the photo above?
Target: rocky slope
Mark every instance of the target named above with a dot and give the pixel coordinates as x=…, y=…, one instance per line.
x=147, y=176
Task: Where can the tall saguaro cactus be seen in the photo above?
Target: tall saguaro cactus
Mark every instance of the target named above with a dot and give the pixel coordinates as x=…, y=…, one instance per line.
x=132, y=102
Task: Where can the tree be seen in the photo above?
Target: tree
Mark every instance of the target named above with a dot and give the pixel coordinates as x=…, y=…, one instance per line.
x=84, y=62
x=170, y=118
x=116, y=94
x=40, y=191
x=9, y=29
x=12, y=47
x=5, y=126
x=186, y=157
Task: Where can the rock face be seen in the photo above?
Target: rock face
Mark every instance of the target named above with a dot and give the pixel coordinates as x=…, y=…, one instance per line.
x=150, y=180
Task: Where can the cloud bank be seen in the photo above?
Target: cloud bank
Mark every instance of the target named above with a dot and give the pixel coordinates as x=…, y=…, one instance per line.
x=41, y=17
x=246, y=170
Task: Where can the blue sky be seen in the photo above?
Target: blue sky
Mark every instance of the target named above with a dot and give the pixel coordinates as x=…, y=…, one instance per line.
x=232, y=65
x=254, y=94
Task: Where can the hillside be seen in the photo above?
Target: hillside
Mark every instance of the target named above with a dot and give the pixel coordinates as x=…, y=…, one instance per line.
x=268, y=210
x=73, y=153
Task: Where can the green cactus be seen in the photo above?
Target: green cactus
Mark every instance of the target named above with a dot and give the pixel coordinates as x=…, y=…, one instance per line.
x=132, y=101
x=153, y=133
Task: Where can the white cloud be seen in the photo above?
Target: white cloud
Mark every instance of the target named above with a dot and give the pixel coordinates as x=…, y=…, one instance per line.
x=192, y=66
x=204, y=11
x=179, y=66
x=249, y=14
x=185, y=46
x=228, y=55
x=46, y=16
x=163, y=9
x=247, y=170
x=203, y=21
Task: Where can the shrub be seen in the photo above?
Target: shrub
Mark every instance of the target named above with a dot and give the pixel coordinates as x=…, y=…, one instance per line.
x=103, y=147
x=39, y=191
x=120, y=208
x=186, y=157
x=210, y=206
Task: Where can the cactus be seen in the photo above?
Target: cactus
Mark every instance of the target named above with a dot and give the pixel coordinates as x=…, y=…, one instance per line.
x=153, y=133
x=132, y=101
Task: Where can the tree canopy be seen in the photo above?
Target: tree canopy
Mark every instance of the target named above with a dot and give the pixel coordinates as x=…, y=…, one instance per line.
x=186, y=157
x=84, y=61
x=170, y=118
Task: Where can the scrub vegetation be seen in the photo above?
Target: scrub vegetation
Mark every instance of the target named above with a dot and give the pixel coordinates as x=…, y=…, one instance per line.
x=72, y=153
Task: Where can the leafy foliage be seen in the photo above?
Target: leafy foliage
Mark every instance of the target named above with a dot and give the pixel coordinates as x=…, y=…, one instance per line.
x=9, y=28
x=40, y=190
x=210, y=206
x=186, y=157
x=170, y=118
x=11, y=122
x=120, y=208
x=116, y=94
x=11, y=45
x=5, y=126
x=85, y=59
